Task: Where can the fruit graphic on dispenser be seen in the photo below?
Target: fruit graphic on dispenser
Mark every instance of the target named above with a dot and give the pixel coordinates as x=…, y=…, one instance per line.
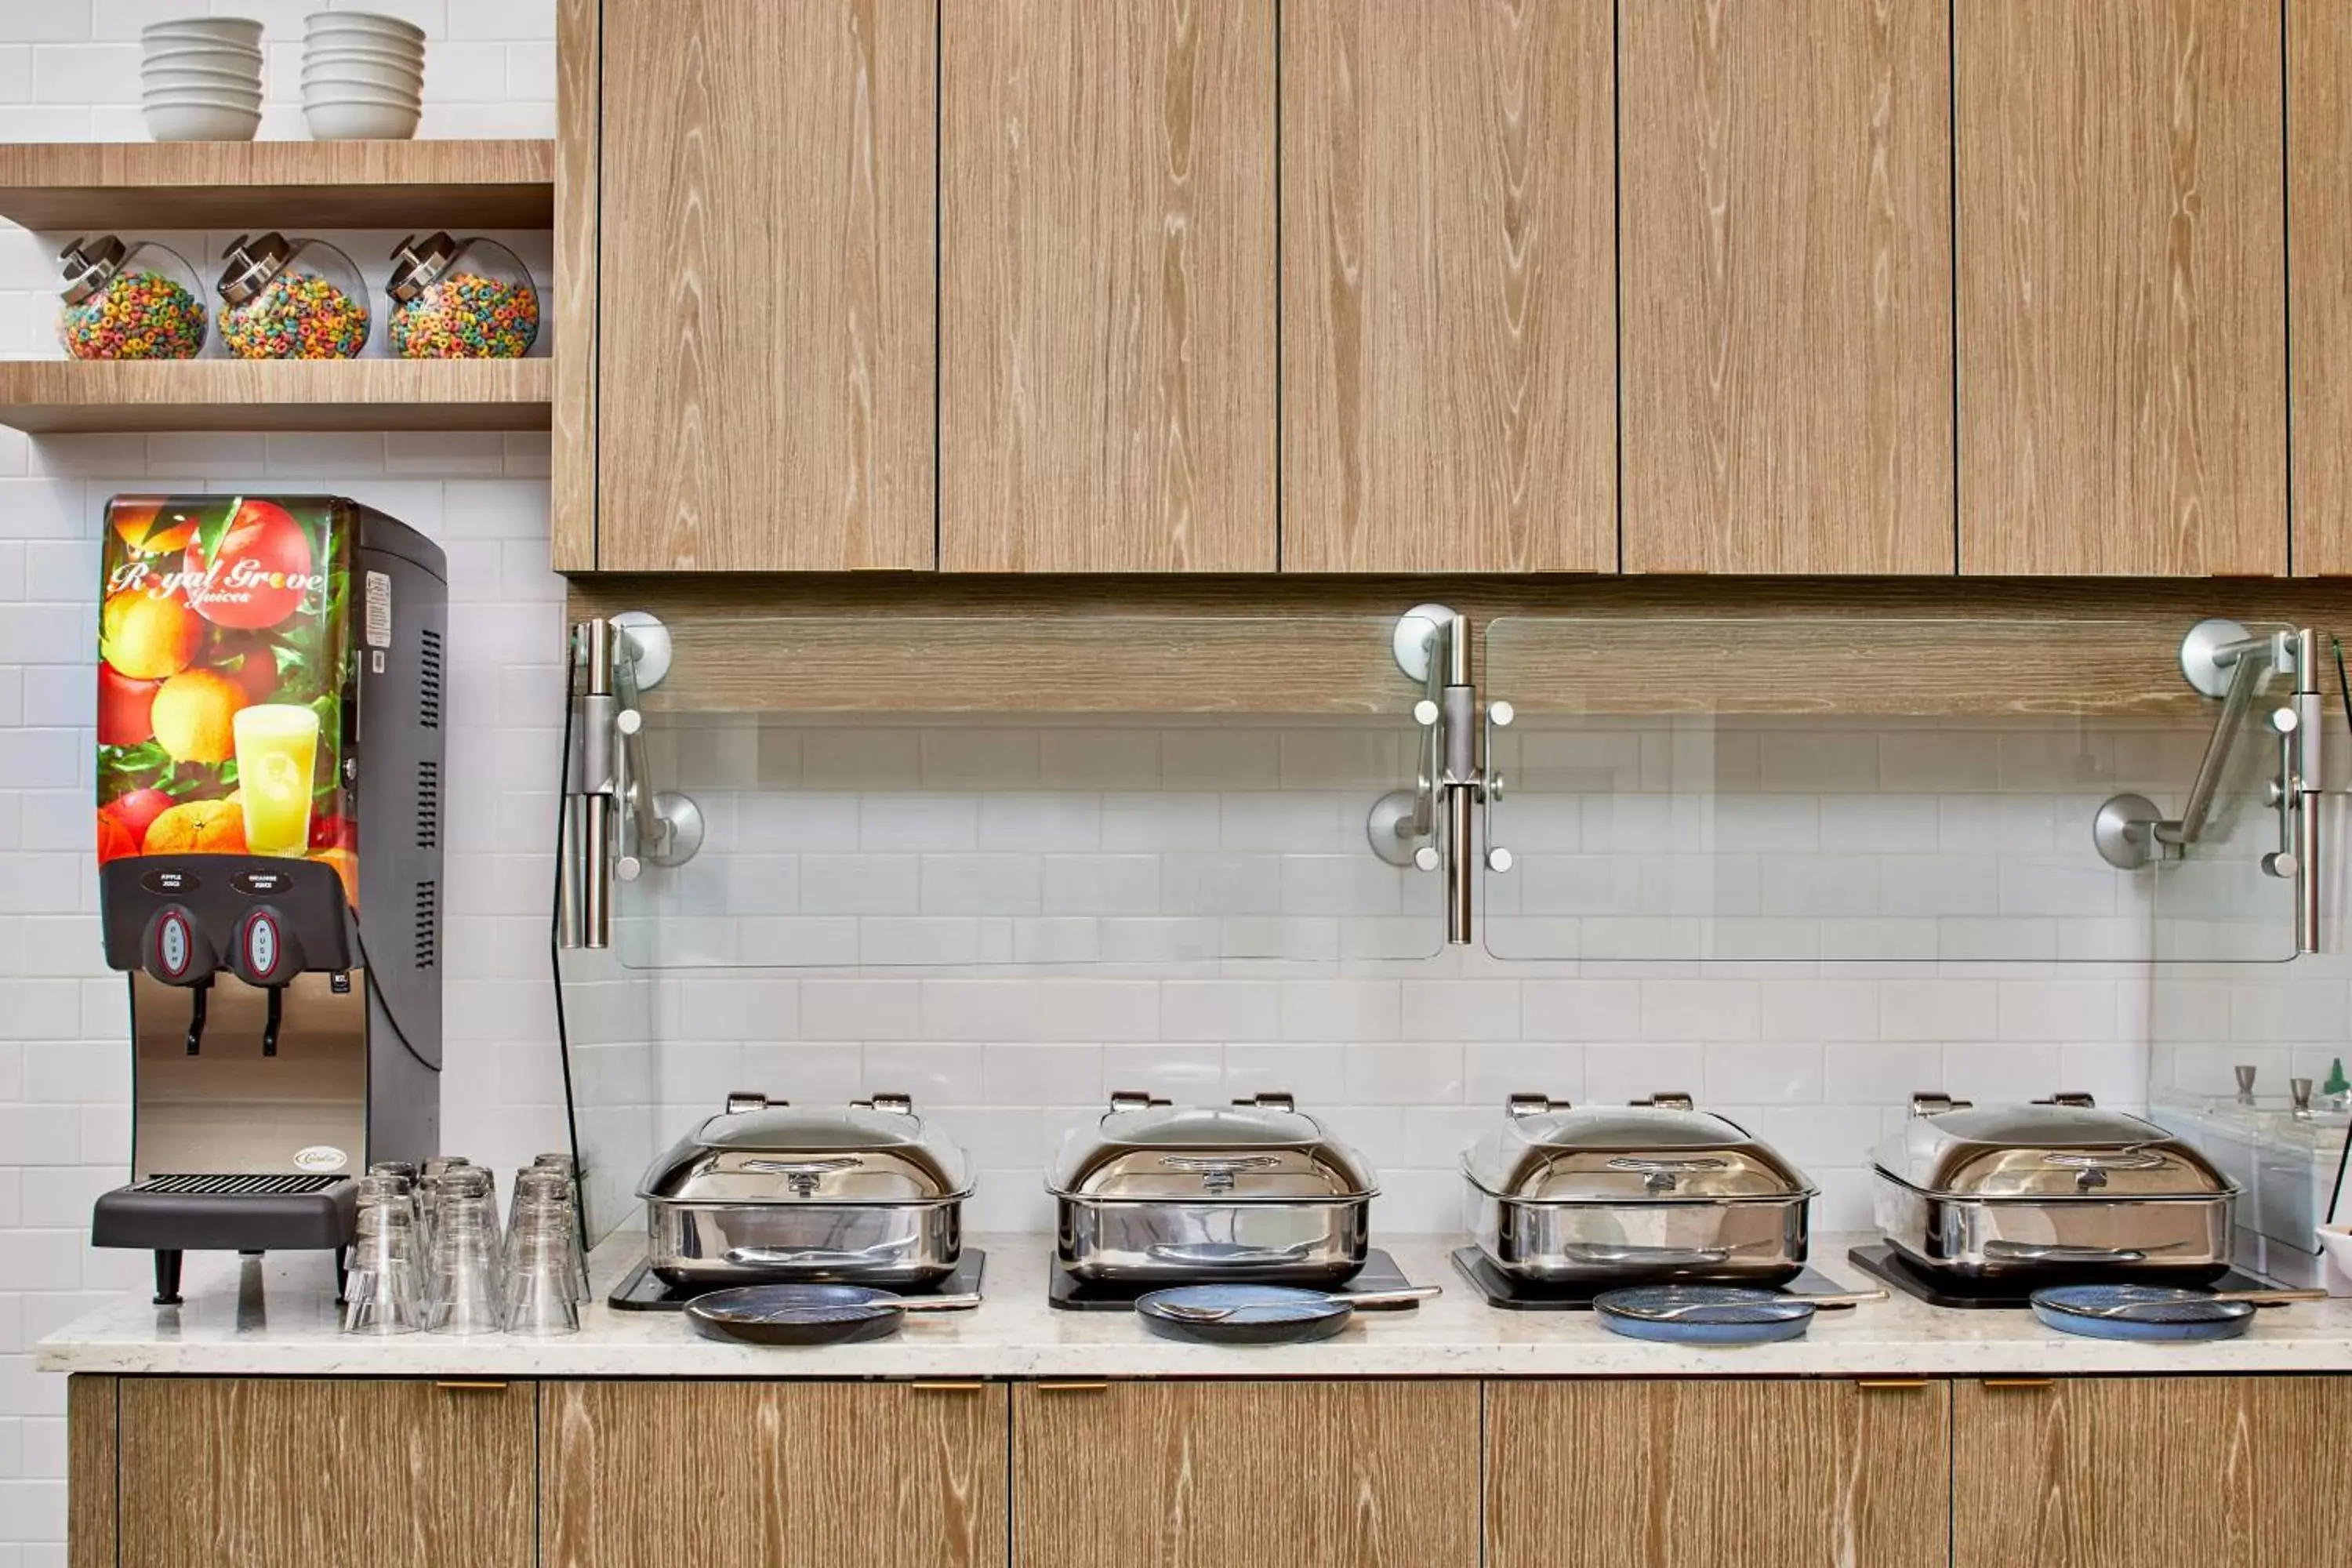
x=137, y=811
x=247, y=657
x=198, y=827
x=114, y=840
x=136, y=524
x=147, y=637
x=276, y=752
x=258, y=574
x=126, y=707
x=194, y=715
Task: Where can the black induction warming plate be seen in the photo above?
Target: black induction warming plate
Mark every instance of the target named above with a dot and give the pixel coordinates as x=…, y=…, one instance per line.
x=643, y=1291
x=1511, y=1295
x=1065, y=1294
x=1881, y=1262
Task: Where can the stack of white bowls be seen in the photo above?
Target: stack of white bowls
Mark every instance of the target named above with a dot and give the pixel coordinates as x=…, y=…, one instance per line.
x=362, y=77
x=200, y=80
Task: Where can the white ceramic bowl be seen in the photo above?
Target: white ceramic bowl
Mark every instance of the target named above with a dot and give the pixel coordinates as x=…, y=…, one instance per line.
x=187, y=122
x=364, y=21
x=239, y=32
x=370, y=73
x=166, y=79
x=352, y=121
x=212, y=57
x=353, y=44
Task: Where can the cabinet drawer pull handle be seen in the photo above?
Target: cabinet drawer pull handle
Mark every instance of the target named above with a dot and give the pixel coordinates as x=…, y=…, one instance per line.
x=2019, y=1382
x=1896, y=1383
x=1073, y=1387
x=947, y=1385
x=462, y=1387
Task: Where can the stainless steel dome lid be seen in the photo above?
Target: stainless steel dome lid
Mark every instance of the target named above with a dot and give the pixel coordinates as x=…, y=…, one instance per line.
x=1657, y=1150
x=1261, y=1150
x=2063, y=1147
x=876, y=1151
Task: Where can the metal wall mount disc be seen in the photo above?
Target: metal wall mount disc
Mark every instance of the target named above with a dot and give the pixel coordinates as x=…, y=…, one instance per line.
x=1415, y=638
x=645, y=630
x=2197, y=649
x=2112, y=831
x=1389, y=813
x=685, y=820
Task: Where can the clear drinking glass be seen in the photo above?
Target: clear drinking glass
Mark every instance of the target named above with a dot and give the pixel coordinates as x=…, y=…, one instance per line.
x=548, y=1186
x=383, y=1292
x=569, y=1169
x=467, y=1290
x=542, y=1260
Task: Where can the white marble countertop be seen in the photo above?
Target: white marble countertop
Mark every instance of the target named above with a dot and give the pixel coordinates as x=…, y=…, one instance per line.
x=277, y=1317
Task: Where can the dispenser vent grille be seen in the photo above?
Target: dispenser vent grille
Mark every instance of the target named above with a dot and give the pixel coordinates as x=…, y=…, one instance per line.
x=428, y=679
x=428, y=924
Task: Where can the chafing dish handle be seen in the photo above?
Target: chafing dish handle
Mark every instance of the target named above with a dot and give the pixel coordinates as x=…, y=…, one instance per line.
x=2051, y=1252
x=1589, y=1252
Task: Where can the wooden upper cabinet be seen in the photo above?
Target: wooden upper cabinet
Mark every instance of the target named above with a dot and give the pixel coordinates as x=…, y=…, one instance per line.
x=1106, y=287
x=1786, y=272
x=1766, y=1473
x=765, y=281
x=2191, y=1472
x=2121, y=280
x=1184, y=1474
x=2319, y=274
x=292, y=1473
x=1449, y=359
x=772, y=1475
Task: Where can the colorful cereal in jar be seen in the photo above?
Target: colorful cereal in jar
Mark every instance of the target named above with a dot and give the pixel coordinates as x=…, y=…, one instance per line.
x=136, y=315
x=466, y=315
x=296, y=315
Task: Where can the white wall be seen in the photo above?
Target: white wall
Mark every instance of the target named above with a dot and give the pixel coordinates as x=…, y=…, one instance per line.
x=1408, y=1060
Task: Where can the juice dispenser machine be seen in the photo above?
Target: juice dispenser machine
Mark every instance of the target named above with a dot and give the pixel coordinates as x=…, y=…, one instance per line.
x=269, y=762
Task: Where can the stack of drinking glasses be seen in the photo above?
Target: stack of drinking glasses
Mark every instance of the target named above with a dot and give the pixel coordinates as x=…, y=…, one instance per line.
x=430, y=1252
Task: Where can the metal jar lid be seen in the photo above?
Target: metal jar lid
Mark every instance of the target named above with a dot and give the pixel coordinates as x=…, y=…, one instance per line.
x=1654, y=1151
x=418, y=264
x=2059, y=1148
x=90, y=265
x=253, y=260
x=760, y=1151
x=1261, y=1150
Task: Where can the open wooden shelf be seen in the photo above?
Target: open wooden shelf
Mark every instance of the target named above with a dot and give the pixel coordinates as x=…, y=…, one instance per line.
x=42, y=396
x=147, y=186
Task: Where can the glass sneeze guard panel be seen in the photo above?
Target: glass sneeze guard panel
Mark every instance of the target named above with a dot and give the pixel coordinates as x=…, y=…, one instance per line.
x=1677, y=791
x=1093, y=834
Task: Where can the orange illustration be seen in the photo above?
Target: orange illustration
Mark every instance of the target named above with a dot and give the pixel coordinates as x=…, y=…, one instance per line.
x=195, y=716
x=147, y=638
x=260, y=576
x=198, y=827
x=134, y=524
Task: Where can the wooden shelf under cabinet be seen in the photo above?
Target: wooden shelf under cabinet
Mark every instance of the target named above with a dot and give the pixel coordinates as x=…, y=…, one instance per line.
x=82, y=185
x=45, y=396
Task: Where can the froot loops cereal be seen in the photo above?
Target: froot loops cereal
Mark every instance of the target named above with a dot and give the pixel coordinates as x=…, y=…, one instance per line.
x=136, y=315
x=296, y=315
x=466, y=315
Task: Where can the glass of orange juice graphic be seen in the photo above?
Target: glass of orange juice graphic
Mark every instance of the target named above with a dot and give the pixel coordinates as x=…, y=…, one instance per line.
x=277, y=748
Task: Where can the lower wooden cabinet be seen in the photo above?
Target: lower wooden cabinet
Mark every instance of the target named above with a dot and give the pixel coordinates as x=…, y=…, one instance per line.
x=297, y=1473
x=1245, y=1475
x=2127, y=1472
x=758, y=1475
x=1703, y=1472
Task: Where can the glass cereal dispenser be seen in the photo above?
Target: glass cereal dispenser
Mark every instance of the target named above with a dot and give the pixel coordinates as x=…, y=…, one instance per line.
x=137, y=301
x=291, y=298
x=460, y=298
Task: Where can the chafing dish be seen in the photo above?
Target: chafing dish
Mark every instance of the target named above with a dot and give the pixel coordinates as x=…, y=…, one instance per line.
x=1256, y=1190
x=869, y=1195
x=2056, y=1189
x=1560, y=1195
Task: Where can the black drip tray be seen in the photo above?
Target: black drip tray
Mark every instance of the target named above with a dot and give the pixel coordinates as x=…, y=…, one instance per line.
x=1065, y=1294
x=1520, y=1296
x=643, y=1291
x=1881, y=1261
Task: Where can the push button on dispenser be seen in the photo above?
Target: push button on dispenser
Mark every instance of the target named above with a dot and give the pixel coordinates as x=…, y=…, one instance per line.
x=176, y=951
x=263, y=956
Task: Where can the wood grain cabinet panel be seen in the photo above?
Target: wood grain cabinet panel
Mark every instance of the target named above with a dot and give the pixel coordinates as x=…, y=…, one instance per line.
x=1106, y=287
x=294, y=1473
x=2192, y=1472
x=1449, y=385
x=1186, y=1475
x=758, y=1475
x=1786, y=275
x=2319, y=279
x=2121, y=287
x=765, y=302
x=1699, y=1473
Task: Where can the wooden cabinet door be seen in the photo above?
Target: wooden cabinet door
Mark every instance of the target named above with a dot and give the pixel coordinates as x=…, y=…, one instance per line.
x=2319, y=280
x=765, y=306
x=1307, y=1475
x=2122, y=1472
x=1786, y=258
x=1106, y=287
x=293, y=1473
x=1449, y=350
x=1697, y=1473
x=2121, y=280
x=755, y=1475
